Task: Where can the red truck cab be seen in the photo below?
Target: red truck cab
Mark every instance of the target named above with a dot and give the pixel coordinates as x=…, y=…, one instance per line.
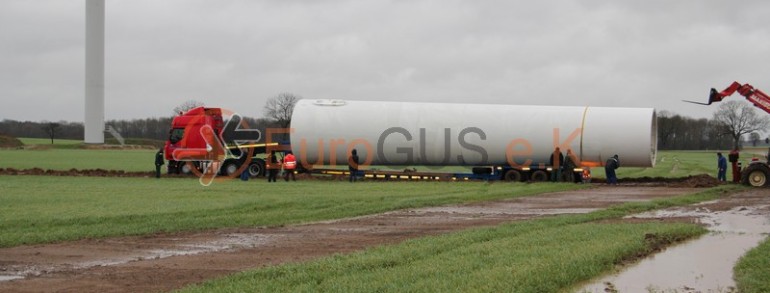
x=185, y=134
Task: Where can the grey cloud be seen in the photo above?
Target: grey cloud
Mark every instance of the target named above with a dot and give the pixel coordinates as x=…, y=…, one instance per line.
x=237, y=54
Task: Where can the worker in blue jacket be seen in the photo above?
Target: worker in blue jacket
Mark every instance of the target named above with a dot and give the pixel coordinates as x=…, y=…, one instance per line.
x=609, y=169
x=721, y=167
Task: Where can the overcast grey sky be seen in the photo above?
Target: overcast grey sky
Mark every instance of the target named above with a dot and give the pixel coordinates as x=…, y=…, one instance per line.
x=237, y=54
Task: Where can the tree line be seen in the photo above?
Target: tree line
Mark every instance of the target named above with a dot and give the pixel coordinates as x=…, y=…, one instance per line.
x=147, y=128
x=277, y=112
x=677, y=132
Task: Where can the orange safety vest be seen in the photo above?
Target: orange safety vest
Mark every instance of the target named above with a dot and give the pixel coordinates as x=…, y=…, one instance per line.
x=289, y=162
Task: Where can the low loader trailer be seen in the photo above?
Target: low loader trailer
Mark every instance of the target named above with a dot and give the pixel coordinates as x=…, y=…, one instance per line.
x=496, y=142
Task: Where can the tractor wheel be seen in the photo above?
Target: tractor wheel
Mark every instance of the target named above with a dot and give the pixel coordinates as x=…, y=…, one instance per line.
x=512, y=175
x=756, y=175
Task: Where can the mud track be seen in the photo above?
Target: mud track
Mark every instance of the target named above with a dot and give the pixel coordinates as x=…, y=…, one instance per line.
x=170, y=261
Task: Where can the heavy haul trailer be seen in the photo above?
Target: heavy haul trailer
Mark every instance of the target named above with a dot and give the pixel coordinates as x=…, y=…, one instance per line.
x=479, y=173
x=512, y=143
x=516, y=141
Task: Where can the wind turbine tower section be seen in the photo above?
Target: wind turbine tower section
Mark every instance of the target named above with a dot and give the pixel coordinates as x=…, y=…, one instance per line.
x=94, y=88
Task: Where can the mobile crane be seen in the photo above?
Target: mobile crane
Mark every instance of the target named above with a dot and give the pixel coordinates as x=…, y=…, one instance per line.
x=758, y=172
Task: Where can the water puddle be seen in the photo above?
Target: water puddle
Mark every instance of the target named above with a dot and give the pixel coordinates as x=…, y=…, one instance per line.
x=174, y=247
x=8, y=278
x=503, y=210
x=701, y=265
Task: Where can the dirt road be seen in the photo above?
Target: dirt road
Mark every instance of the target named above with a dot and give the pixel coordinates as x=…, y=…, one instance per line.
x=170, y=261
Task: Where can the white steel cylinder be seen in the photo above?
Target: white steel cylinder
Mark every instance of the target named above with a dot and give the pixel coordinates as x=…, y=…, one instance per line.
x=403, y=133
x=94, y=88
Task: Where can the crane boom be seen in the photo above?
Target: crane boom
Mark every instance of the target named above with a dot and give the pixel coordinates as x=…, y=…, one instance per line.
x=755, y=96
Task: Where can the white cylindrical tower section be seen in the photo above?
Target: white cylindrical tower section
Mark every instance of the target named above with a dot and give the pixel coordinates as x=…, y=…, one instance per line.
x=94, y=88
x=400, y=133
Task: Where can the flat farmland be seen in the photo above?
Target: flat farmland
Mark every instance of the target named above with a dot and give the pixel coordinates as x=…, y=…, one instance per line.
x=97, y=234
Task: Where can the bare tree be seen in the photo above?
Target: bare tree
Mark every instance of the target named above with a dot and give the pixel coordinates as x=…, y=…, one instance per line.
x=187, y=106
x=50, y=129
x=280, y=108
x=739, y=118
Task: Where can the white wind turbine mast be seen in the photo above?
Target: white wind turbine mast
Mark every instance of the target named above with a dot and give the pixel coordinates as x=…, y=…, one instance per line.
x=94, y=85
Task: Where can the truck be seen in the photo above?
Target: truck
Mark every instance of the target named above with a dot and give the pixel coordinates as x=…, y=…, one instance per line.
x=185, y=135
x=496, y=142
x=189, y=151
x=757, y=172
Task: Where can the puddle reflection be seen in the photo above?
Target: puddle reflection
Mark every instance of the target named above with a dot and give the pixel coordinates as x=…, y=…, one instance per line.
x=701, y=265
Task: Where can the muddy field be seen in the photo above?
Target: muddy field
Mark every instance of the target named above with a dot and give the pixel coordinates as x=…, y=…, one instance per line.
x=168, y=261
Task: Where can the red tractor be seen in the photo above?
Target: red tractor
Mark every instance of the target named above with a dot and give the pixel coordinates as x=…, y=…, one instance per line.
x=757, y=172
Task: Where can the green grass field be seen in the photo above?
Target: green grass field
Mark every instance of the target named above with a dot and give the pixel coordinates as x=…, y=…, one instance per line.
x=752, y=272
x=671, y=164
x=66, y=159
x=68, y=154
x=40, y=209
x=554, y=254
x=674, y=164
x=46, y=141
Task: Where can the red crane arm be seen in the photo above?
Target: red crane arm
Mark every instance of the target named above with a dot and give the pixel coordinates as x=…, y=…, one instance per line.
x=755, y=96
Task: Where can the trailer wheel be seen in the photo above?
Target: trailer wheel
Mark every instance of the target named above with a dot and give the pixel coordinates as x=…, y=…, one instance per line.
x=257, y=168
x=229, y=168
x=512, y=175
x=756, y=175
x=539, y=176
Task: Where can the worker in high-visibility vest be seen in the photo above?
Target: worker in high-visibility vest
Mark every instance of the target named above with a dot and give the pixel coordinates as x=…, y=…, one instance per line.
x=289, y=165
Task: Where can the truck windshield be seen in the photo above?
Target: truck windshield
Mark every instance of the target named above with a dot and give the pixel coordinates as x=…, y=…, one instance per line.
x=176, y=135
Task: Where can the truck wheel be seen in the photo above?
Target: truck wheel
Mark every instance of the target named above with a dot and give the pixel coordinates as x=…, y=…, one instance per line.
x=186, y=168
x=512, y=176
x=756, y=175
x=539, y=176
x=257, y=168
x=229, y=168
x=173, y=167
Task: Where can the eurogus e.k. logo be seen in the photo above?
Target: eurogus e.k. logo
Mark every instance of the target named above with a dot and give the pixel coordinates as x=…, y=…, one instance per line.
x=211, y=139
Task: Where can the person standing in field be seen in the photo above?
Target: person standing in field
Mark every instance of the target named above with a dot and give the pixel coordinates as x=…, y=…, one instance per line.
x=556, y=161
x=353, y=165
x=289, y=165
x=158, y=162
x=609, y=170
x=570, y=162
x=721, y=168
x=733, y=157
x=272, y=167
